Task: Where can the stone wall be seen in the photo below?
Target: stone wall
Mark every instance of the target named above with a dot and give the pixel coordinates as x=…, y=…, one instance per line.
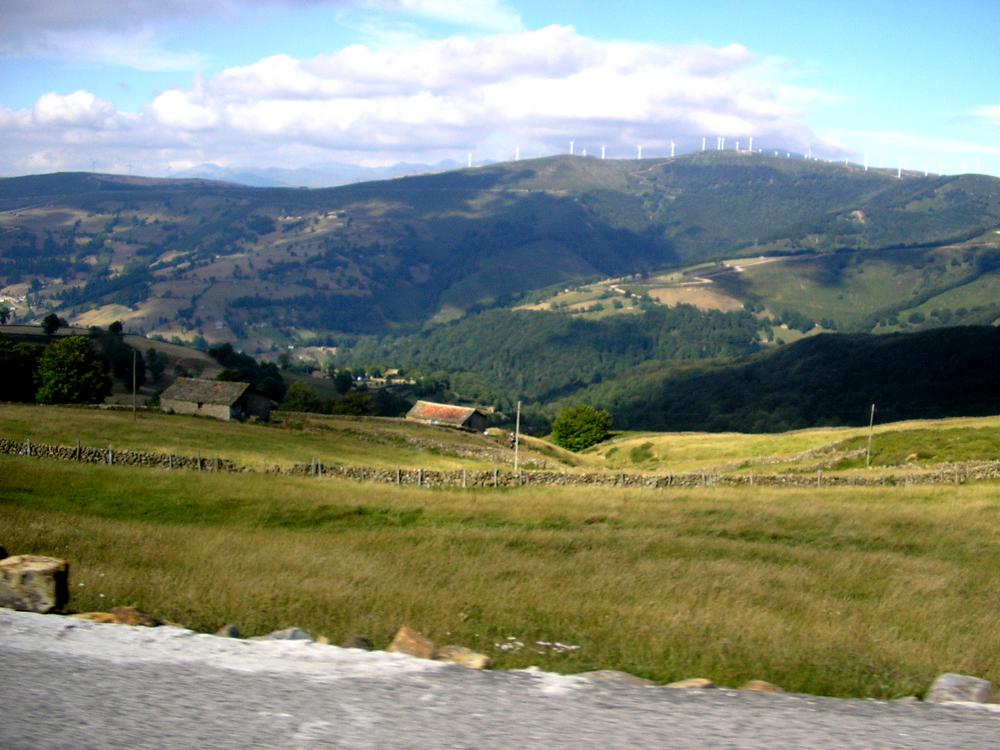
x=954, y=473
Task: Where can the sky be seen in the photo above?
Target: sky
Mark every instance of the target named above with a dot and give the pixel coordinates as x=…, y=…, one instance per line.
x=156, y=87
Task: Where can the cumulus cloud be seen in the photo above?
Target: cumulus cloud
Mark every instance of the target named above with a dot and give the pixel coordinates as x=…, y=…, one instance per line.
x=535, y=89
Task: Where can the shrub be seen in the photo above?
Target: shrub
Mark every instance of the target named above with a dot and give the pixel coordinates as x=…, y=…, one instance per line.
x=579, y=427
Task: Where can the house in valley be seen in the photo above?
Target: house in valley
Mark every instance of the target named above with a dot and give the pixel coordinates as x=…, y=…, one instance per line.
x=461, y=417
x=215, y=398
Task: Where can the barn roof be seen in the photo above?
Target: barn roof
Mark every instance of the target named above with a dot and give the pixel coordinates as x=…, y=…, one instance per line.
x=199, y=391
x=428, y=411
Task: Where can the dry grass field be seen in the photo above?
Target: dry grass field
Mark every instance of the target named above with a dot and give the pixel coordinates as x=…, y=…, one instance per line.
x=846, y=591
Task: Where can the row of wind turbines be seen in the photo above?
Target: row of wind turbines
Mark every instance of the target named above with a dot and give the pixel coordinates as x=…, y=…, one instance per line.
x=720, y=145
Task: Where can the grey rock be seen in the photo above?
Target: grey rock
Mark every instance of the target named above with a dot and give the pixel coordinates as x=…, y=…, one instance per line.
x=33, y=583
x=951, y=687
x=288, y=634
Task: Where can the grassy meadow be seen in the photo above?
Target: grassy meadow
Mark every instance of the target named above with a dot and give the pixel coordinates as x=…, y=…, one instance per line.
x=837, y=591
x=292, y=438
x=850, y=592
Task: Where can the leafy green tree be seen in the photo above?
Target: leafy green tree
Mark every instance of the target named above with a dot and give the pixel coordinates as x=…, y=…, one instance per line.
x=579, y=427
x=50, y=323
x=342, y=381
x=156, y=362
x=355, y=403
x=18, y=363
x=71, y=371
x=300, y=397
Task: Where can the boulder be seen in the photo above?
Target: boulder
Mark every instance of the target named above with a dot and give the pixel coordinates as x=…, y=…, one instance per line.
x=288, y=634
x=103, y=618
x=951, y=687
x=695, y=683
x=358, y=641
x=463, y=656
x=617, y=677
x=133, y=616
x=33, y=583
x=409, y=641
x=228, y=631
x=762, y=686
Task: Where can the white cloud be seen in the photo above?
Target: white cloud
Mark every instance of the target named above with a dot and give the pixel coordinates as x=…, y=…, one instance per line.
x=535, y=89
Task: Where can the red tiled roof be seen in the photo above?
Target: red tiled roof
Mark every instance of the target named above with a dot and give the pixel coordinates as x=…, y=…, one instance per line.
x=427, y=411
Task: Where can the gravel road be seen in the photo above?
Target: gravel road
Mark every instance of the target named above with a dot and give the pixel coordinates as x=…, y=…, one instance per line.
x=73, y=684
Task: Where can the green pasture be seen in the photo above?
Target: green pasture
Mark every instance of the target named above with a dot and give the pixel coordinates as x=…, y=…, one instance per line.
x=850, y=592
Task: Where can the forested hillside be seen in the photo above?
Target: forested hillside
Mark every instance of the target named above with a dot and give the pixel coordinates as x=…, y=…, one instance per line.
x=831, y=379
x=262, y=268
x=500, y=356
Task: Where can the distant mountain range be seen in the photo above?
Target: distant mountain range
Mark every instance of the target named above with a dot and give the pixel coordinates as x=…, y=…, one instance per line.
x=329, y=174
x=796, y=242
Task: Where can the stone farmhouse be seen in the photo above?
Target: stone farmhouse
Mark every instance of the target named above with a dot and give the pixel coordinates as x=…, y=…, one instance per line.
x=214, y=398
x=461, y=417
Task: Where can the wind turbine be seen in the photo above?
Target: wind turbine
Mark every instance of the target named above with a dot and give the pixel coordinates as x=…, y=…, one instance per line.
x=639, y=148
x=517, y=153
x=571, y=148
x=703, y=143
x=602, y=152
x=468, y=160
x=671, y=149
x=751, y=144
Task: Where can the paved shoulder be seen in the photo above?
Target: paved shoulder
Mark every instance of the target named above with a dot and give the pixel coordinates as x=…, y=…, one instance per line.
x=73, y=684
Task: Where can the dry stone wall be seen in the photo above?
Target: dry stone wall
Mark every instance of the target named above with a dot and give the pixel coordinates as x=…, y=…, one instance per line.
x=954, y=473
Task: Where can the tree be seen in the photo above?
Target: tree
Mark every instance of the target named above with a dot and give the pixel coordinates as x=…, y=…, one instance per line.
x=71, y=371
x=300, y=397
x=4, y=315
x=342, y=381
x=355, y=403
x=156, y=362
x=18, y=363
x=579, y=427
x=50, y=323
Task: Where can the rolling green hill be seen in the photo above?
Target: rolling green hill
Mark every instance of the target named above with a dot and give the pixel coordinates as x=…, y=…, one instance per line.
x=265, y=267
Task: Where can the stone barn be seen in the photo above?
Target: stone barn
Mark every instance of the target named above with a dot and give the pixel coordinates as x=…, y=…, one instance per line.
x=462, y=417
x=215, y=398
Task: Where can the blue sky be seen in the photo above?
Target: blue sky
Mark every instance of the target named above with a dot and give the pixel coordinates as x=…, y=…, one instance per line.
x=164, y=85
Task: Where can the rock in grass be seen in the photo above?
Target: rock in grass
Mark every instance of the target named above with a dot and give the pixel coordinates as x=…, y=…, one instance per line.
x=463, y=656
x=762, y=686
x=358, y=641
x=228, y=631
x=33, y=583
x=409, y=641
x=102, y=618
x=133, y=616
x=694, y=683
x=288, y=634
x=120, y=616
x=951, y=687
x=617, y=677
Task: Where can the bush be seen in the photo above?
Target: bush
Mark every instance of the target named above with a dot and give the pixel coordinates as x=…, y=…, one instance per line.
x=580, y=427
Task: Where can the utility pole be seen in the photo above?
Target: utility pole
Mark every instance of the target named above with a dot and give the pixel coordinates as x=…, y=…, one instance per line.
x=517, y=440
x=871, y=425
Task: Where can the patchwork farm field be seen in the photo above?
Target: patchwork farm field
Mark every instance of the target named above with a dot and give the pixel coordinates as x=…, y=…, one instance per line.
x=835, y=591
